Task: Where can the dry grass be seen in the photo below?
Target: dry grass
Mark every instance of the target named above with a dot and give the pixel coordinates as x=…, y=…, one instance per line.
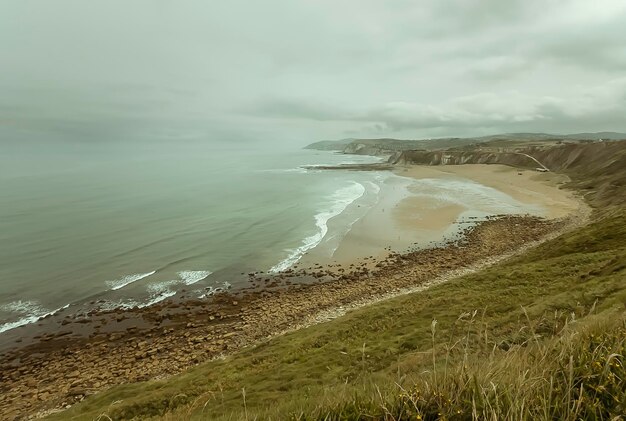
x=578, y=374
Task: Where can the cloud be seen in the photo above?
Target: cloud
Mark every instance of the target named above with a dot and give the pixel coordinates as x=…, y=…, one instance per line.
x=311, y=69
x=504, y=110
x=297, y=109
x=499, y=67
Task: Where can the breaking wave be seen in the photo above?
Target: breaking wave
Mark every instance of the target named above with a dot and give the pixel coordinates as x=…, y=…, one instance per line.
x=128, y=279
x=341, y=199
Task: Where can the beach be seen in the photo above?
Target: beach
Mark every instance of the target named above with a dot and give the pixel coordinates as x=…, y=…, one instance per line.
x=407, y=216
x=527, y=186
x=413, y=244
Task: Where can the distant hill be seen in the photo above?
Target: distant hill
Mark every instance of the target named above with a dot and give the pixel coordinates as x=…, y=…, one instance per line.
x=549, y=136
x=389, y=146
x=329, y=145
x=597, y=136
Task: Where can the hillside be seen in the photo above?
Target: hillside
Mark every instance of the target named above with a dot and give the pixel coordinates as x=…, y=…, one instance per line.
x=538, y=336
x=329, y=145
x=389, y=146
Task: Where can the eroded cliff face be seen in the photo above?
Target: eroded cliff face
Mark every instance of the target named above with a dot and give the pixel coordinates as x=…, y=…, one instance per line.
x=462, y=157
x=555, y=158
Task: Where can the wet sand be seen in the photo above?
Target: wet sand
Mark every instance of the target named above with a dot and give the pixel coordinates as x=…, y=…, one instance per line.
x=401, y=220
x=526, y=186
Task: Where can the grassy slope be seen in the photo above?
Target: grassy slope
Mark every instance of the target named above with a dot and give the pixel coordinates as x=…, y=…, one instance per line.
x=336, y=370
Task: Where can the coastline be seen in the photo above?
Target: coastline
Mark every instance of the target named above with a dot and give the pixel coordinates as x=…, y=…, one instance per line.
x=146, y=343
x=403, y=220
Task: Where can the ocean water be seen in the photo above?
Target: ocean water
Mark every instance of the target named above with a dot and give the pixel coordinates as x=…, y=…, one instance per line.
x=84, y=225
x=132, y=227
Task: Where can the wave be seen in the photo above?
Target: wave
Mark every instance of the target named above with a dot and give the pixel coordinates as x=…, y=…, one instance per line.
x=162, y=290
x=31, y=310
x=159, y=291
x=190, y=277
x=157, y=298
x=342, y=198
x=128, y=279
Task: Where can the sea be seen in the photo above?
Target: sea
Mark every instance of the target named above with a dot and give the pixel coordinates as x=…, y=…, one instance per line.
x=130, y=226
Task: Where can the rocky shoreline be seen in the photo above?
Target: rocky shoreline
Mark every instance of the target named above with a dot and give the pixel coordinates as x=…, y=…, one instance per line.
x=81, y=355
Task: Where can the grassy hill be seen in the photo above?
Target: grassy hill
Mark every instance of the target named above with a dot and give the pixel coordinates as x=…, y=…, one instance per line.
x=388, y=146
x=540, y=336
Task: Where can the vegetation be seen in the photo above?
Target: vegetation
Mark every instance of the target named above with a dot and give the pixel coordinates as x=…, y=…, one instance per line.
x=504, y=140
x=539, y=336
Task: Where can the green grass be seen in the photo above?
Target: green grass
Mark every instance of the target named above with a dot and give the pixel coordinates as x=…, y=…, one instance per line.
x=578, y=374
x=529, y=313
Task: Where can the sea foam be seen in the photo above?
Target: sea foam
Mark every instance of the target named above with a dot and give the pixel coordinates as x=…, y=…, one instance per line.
x=160, y=291
x=157, y=298
x=341, y=199
x=128, y=279
x=30, y=310
x=190, y=277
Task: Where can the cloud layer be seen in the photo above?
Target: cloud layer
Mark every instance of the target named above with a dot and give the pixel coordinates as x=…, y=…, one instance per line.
x=300, y=71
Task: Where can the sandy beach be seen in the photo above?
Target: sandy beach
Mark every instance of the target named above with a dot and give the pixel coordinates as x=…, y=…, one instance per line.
x=404, y=219
x=524, y=185
x=70, y=356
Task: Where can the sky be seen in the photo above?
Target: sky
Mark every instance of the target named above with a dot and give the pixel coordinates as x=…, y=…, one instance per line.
x=299, y=71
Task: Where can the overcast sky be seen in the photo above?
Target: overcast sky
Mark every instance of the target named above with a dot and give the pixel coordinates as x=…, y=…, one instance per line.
x=299, y=71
